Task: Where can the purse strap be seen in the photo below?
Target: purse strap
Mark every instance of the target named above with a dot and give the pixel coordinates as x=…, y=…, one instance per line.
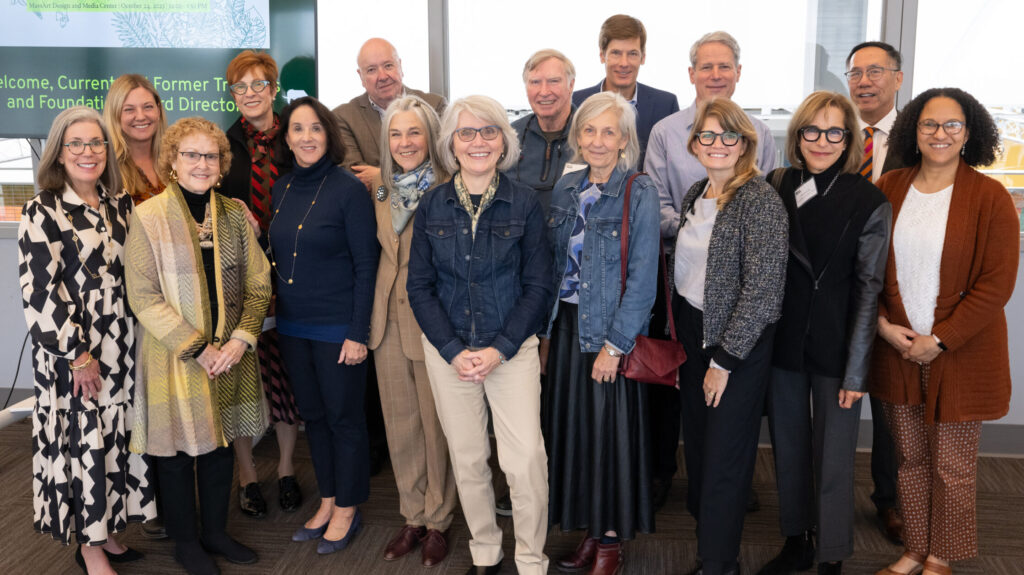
x=624, y=256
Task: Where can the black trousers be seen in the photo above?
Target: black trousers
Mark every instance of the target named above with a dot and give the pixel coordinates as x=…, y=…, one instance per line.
x=720, y=443
x=330, y=399
x=663, y=400
x=179, y=476
x=883, y=459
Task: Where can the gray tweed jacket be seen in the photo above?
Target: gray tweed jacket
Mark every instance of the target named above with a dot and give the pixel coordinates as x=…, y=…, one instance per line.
x=746, y=269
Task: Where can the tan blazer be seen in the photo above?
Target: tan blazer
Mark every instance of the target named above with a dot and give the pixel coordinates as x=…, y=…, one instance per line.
x=360, y=127
x=392, y=272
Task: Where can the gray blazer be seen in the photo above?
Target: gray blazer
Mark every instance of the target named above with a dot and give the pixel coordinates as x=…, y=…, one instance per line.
x=360, y=127
x=746, y=269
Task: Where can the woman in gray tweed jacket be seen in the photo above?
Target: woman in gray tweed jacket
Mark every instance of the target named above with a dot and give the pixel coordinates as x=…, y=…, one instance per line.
x=730, y=271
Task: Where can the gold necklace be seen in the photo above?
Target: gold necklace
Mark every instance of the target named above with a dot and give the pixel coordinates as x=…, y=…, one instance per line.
x=104, y=234
x=295, y=248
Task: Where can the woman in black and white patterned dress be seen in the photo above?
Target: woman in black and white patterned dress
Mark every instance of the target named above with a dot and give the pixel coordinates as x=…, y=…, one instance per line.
x=71, y=241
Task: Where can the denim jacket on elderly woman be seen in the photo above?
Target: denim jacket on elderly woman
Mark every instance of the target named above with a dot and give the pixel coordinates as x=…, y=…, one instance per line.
x=487, y=290
x=601, y=317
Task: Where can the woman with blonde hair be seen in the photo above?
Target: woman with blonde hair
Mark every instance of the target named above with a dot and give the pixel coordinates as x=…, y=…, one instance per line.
x=71, y=244
x=730, y=271
x=134, y=114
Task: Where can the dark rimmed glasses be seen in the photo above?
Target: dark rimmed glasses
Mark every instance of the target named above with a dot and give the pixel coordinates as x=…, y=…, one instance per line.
x=929, y=127
x=832, y=135
x=77, y=147
x=469, y=134
x=729, y=138
x=194, y=157
x=241, y=87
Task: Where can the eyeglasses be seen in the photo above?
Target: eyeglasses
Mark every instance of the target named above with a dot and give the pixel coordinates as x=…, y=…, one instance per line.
x=707, y=137
x=76, y=147
x=257, y=86
x=813, y=134
x=874, y=73
x=469, y=134
x=929, y=127
x=194, y=157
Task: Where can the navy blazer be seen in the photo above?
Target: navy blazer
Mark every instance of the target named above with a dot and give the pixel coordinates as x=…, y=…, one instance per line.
x=652, y=105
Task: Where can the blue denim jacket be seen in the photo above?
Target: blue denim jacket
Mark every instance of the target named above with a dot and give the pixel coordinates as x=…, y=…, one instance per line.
x=491, y=290
x=601, y=316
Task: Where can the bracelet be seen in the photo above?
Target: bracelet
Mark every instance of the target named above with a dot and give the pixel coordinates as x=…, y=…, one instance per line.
x=80, y=367
x=501, y=358
x=939, y=343
x=608, y=349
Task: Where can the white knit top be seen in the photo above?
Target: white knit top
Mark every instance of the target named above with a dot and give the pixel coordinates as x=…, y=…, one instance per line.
x=691, y=261
x=918, y=237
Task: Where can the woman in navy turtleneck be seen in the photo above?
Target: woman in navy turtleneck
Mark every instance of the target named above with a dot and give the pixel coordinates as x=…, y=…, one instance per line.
x=324, y=251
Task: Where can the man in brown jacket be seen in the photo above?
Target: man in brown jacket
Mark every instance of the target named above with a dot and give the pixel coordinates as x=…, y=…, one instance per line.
x=380, y=71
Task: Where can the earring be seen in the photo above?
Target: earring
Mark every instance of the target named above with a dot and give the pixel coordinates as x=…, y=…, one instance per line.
x=173, y=175
x=219, y=180
x=622, y=154
x=963, y=148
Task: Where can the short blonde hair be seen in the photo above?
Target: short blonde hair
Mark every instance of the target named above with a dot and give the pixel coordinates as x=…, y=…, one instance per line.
x=488, y=110
x=542, y=56
x=804, y=115
x=184, y=128
x=431, y=125
x=593, y=107
x=51, y=175
x=734, y=119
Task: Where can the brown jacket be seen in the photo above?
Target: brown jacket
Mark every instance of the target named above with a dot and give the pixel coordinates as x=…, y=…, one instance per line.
x=360, y=127
x=392, y=272
x=970, y=381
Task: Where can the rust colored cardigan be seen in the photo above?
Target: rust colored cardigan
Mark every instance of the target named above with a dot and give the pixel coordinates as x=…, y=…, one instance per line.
x=970, y=381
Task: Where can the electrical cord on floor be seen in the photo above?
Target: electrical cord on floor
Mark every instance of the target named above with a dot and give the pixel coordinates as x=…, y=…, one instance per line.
x=21, y=355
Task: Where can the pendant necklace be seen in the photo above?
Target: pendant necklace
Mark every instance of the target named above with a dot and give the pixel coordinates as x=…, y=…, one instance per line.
x=295, y=248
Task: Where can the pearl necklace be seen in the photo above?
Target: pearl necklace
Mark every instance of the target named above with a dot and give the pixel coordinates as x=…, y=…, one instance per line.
x=295, y=248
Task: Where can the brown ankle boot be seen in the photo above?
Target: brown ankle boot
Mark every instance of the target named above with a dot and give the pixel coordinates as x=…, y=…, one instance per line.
x=609, y=559
x=581, y=558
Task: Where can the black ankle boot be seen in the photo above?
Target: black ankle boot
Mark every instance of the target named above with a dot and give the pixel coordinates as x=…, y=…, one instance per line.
x=194, y=559
x=796, y=555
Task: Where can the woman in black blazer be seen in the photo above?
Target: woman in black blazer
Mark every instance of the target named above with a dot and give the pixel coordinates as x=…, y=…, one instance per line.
x=839, y=226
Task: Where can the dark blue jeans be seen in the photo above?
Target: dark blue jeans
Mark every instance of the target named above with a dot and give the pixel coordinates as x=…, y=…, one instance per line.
x=330, y=399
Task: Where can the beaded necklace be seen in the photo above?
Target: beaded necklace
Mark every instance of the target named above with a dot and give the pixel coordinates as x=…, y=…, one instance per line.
x=295, y=248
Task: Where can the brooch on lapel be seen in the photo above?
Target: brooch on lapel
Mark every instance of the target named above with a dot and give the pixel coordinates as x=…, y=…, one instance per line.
x=382, y=194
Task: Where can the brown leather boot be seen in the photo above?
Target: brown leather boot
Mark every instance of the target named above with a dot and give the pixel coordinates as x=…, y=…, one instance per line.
x=609, y=559
x=581, y=558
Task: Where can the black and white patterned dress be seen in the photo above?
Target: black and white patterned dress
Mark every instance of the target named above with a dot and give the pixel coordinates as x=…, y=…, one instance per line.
x=71, y=262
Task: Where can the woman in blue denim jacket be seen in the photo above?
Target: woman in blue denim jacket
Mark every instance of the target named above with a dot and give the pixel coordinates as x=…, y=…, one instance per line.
x=594, y=419
x=479, y=286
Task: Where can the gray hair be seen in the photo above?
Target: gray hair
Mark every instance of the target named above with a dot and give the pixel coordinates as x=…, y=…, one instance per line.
x=593, y=107
x=720, y=37
x=542, y=56
x=431, y=124
x=51, y=174
x=488, y=110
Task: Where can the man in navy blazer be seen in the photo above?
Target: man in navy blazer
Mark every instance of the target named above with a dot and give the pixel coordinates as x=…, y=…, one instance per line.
x=623, y=41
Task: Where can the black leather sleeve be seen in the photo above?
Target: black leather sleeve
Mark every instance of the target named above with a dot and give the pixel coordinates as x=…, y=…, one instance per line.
x=872, y=255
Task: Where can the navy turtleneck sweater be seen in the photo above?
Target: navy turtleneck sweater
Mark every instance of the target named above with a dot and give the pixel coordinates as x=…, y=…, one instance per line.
x=333, y=264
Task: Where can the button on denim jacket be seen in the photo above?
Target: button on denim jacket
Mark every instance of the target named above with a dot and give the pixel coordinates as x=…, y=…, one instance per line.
x=601, y=316
x=488, y=290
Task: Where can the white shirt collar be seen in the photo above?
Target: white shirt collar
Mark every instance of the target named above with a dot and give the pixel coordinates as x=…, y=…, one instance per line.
x=884, y=125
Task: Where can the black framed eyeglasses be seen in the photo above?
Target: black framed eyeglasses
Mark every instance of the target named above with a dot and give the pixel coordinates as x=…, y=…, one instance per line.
x=469, y=134
x=256, y=85
x=76, y=147
x=874, y=73
x=832, y=135
x=929, y=127
x=729, y=138
x=194, y=157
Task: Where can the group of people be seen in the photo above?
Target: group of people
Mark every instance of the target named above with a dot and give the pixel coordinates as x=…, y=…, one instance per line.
x=187, y=288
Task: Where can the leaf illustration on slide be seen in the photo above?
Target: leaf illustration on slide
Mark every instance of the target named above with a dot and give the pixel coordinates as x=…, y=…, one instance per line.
x=62, y=18
x=228, y=24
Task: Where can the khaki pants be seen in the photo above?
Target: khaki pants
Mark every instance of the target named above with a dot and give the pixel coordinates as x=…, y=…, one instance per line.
x=513, y=392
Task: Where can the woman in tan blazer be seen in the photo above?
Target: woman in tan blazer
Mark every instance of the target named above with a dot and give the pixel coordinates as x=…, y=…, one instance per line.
x=419, y=452
x=941, y=365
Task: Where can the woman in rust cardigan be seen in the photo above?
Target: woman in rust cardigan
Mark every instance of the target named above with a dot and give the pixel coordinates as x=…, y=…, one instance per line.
x=942, y=365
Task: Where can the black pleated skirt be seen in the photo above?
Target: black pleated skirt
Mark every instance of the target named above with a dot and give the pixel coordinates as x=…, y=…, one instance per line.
x=598, y=442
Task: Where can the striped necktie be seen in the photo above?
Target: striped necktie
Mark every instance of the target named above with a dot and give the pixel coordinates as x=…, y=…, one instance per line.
x=869, y=149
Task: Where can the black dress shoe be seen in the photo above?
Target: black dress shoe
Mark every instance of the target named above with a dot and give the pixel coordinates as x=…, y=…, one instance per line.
x=127, y=556
x=288, y=494
x=503, y=505
x=154, y=529
x=830, y=568
x=250, y=499
x=485, y=570
x=194, y=559
x=796, y=555
x=233, y=551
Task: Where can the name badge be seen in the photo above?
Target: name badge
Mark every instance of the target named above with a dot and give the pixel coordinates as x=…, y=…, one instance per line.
x=571, y=167
x=806, y=192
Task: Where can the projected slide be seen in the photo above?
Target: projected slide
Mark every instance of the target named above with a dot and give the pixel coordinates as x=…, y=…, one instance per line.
x=62, y=53
x=137, y=23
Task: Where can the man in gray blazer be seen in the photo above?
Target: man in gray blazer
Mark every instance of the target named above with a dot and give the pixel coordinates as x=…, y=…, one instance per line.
x=380, y=71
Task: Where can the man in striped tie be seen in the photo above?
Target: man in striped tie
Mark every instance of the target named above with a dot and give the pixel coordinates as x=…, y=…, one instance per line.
x=874, y=76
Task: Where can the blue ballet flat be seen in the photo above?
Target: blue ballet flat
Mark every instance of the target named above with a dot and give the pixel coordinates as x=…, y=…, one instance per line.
x=306, y=534
x=326, y=546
